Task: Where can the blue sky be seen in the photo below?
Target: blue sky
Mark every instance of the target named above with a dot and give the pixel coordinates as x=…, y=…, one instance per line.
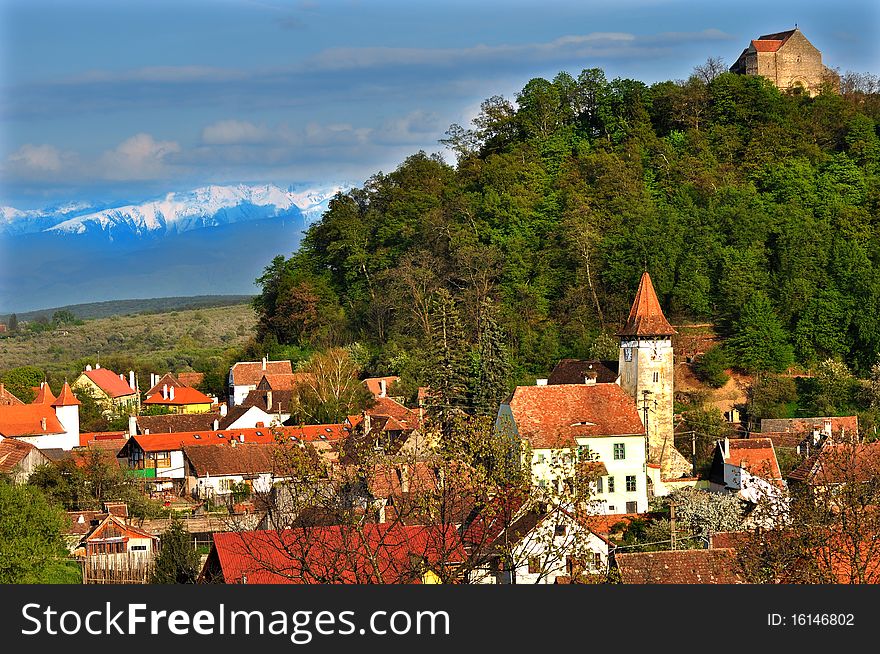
x=104, y=101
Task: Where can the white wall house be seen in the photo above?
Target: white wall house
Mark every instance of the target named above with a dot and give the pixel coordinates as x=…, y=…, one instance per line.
x=561, y=427
x=749, y=468
x=543, y=547
x=244, y=376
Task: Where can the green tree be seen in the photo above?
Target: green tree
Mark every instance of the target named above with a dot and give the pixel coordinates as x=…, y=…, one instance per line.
x=711, y=367
x=178, y=561
x=13, y=324
x=446, y=374
x=492, y=377
x=31, y=542
x=759, y=341
x=21, y=381
x=330, y=390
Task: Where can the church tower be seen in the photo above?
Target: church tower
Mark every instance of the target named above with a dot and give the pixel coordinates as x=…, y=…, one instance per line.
x=646, y=374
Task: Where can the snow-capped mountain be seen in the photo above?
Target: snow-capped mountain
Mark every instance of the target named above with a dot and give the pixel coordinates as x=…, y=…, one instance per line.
x=208, y=206
x=213, y=239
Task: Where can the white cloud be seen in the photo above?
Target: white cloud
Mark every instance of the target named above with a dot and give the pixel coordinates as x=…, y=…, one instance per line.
x=231, y=132
x=138, y=157
x=37, y=158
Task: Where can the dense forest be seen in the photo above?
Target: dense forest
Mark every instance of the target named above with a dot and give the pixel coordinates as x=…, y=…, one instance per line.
x=753, y=209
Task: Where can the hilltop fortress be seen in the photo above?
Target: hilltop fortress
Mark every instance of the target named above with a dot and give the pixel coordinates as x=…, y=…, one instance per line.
x=788, y=60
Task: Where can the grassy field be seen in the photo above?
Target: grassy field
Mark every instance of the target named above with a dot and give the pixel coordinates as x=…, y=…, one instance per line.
x=162, y=337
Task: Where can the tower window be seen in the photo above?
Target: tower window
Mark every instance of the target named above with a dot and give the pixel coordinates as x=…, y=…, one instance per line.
x=656, y=377
x=627, y=354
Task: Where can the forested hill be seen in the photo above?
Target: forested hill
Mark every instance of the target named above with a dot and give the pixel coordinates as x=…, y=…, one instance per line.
x=749, y=207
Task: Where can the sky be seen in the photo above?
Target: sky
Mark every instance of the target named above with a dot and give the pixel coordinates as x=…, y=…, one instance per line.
x=123, y=101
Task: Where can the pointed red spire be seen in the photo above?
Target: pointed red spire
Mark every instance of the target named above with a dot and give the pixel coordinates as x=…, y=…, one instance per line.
x=44, y=394
x=646, y=317
x=66, y=397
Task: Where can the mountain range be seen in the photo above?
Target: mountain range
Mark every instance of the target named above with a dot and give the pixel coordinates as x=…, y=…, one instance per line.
x=209, y=240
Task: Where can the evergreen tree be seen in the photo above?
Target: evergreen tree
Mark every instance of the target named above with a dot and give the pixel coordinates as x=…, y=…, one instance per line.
x=447, y=372
x=759, y=341
x=493, y=361
x=13, y=324
x=178, y=562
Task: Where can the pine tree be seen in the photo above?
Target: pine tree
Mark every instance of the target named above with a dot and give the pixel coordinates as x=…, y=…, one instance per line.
x=759, y=342
x=493, y=363
x=447, y=372
x=178, y=562
x=13, y=323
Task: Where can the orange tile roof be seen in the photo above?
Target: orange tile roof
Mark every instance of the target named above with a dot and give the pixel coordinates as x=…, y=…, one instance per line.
x=27, y=420
x=176, y=440
x=757, y=456
x=109, y=382
x=385, y=406
x=87, y=438
x=165, y=380
x=554, y=416
x=646, y=317
x=192, y=379
x=66, y=397
x=44, y=394
x=767, y=45
x=373, y=384
x=283, y=381
x=249, y=373
x=7, y=398
x=182, y=395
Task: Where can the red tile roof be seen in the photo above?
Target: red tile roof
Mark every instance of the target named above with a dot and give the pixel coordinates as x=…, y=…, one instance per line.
x=841, y=463
x=109, y=382
x=848, y=425
x=575, y=371
x=756, y=456
x=385, y=406
x=191, y=379
x=85, y=438
x=718, y=566
x=249, y=373
x=13, y=452
x=372, y=384
x=27, y=420
x=165, y=380
x=182, y=395
x=283, y=381
x=646, y=317
x=176, y=440
x=390, y=553
x=66, y=397
x=44, y=394
x=766, y=45
x=7, y=398
x=554, y=416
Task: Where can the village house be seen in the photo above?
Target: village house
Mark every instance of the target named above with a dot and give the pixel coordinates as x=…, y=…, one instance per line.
x=176, y=422
x=245, y=375
x=747, y=467
x=111, y=391
x=19, y=459
x=805, y=434
x=393, y=428
x=564, y=428
x=117, y=552
x=47, y=423
x=542, y=545
x=579, y=371
x=835, y=464
x=788, y=60
x=379, y=386
x=180, y=399
x=213, y=472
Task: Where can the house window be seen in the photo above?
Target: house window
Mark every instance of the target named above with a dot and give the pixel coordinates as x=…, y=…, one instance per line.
x=597, y=560
x=627, y=354
x=559, y=530
x=612, y=508
x=610, y=484
x=630, y=483
x=619, y=451
x=656, y=377
x=632, y=507
x=534, y=565
x=138, y=548
x=226, y=484
x=599, y=485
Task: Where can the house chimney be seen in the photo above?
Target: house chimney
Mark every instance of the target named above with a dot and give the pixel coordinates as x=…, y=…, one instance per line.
x=171, y=392
x=264, y=363
x=540, y=382
x=131, y=379
x=88, y=368
x=366, y=423
x=216, y=424
x=590, y=377
x=259, y=425
x=43, y=424
x=241, y=437
x=726, y=447
x=223, y=410
x=97, y=366
x=132, y=425
x=382, y=388
x=164, y=391
x=146, y=432
x=121, y=377
x=269, y=401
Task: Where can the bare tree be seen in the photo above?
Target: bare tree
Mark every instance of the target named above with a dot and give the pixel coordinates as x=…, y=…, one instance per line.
x=711, y=69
